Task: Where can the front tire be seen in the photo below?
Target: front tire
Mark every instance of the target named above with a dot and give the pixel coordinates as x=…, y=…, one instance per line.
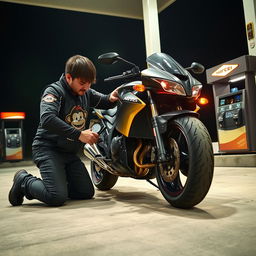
x=187, y=180
x=102, y=179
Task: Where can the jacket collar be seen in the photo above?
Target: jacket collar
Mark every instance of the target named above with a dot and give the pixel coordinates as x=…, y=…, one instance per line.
x=65, y=84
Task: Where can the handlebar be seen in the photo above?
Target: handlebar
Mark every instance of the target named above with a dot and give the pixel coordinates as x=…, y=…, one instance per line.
x=125, y=75
x=113, y=78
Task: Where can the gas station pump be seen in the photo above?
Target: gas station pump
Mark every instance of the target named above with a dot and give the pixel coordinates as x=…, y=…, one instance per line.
x=234, y=91
x=11, y=135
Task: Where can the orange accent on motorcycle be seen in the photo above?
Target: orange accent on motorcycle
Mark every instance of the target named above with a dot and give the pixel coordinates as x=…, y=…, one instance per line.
x=139, y=88
x=197, y=108
x=202, y=101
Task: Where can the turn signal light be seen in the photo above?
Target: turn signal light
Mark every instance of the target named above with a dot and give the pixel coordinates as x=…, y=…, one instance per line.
x=139, y=87
x=203, y=101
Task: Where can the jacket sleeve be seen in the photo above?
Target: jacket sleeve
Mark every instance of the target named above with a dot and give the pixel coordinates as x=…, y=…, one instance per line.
x=49, y=115
x=99, y=100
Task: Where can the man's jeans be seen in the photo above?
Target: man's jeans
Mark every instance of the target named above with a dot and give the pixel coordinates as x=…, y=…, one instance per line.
x=63, y=176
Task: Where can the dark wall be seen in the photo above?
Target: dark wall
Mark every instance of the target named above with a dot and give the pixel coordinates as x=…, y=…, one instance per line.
x=36, y=42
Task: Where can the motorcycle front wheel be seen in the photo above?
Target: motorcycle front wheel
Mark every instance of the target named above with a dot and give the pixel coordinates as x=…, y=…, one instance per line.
x=102, y=179
x=186, y=180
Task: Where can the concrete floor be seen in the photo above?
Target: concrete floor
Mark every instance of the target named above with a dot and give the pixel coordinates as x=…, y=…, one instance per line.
x=134, y=219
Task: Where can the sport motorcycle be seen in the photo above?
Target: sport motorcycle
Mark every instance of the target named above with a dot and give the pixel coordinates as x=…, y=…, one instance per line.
x=154, y=131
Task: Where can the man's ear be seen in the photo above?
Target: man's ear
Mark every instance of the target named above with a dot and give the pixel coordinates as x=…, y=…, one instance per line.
x=68, y=78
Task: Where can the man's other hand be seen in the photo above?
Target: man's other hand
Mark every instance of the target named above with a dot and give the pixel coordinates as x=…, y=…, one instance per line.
x=114, y=95
x=88, y=136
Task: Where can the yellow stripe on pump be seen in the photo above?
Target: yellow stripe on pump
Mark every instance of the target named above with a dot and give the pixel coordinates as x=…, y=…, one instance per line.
x=229, y=135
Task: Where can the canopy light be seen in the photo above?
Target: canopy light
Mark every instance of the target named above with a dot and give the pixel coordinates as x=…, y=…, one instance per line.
x=236, y=79
x=12, y=115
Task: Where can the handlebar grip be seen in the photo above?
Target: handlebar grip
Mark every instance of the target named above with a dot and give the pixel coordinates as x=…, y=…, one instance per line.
x=113, y=78
x=123, y=76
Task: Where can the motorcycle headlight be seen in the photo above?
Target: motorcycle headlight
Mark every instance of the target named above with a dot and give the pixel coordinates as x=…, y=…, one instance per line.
x=171, y=87
x=196, y=90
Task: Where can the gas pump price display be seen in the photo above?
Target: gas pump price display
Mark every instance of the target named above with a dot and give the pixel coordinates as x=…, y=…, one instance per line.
x=11, y=135
x=230, y=102
x=230, y=110
x=231, y=99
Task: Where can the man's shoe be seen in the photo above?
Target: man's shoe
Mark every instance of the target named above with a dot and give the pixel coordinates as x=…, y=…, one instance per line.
x=16, y=195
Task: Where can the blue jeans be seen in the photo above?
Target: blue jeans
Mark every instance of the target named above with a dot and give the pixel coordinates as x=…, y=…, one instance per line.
x=63, y=176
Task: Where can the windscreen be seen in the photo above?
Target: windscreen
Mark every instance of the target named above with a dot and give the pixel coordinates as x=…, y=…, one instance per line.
x=166, y=63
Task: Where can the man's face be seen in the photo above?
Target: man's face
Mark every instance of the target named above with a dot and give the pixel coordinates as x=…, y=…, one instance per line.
x=78, y=85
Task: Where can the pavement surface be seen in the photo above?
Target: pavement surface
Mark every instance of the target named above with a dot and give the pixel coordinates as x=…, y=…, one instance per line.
x=134, y=219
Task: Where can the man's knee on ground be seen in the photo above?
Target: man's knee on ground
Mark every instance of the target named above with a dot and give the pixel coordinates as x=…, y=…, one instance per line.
x=82, y=195
x=56, y=200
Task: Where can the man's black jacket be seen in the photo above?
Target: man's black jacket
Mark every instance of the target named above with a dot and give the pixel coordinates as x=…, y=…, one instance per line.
x=63, y=116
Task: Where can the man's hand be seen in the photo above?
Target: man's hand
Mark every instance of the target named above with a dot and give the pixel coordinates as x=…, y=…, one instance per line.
x=114, y=95
x=88, y=136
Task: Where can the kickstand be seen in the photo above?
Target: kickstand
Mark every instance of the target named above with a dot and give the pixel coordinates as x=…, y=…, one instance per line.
x=152, y=183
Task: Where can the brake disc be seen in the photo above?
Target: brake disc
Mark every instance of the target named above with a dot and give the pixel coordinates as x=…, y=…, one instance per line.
x=170, y=172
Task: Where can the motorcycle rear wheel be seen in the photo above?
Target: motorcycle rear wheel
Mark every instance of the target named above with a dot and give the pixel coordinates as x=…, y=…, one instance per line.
x=102, y=179
x=187, y=182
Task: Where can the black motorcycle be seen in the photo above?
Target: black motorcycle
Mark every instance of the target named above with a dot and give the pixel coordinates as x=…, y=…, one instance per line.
x=154, y=132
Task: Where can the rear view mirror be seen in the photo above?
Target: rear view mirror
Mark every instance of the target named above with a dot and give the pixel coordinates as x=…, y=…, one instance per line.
x=196, y=68
x=108, y=58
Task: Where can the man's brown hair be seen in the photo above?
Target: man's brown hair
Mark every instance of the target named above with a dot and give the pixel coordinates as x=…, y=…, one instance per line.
x=81, y=67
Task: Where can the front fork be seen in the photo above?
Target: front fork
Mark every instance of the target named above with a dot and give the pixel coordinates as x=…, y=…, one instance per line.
x=162, y=156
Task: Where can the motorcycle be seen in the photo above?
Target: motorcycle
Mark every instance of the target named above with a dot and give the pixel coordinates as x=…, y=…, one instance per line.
x=154, y=131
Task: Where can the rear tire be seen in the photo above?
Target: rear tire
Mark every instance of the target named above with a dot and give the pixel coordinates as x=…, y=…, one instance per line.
x=102, y=179
x=191, y=149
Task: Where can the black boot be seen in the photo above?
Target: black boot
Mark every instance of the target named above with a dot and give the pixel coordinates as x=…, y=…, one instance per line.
x=16, y=194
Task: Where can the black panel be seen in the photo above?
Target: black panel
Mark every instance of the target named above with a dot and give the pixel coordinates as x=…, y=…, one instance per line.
x=142, y=126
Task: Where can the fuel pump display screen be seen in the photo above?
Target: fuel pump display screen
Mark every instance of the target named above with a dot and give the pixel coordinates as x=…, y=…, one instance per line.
x=229, y=114
x=231, y=99
x=230, y=111
x=13, y=131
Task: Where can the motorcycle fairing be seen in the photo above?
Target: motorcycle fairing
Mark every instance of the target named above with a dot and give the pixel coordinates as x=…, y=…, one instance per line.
x=166, y=66
x=98, y=113
x=160, y=74
x=165, y=62
x=142, y=125
x=109, y=114
x=130, y=107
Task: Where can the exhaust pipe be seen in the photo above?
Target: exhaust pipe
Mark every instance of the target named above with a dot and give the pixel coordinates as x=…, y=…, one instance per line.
x=90, y=152
x=93, y=153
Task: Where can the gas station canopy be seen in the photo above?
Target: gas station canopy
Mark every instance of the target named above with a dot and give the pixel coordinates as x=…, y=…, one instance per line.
x=121, y=8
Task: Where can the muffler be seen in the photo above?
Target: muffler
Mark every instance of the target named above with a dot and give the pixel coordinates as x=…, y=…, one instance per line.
x=93, y=153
